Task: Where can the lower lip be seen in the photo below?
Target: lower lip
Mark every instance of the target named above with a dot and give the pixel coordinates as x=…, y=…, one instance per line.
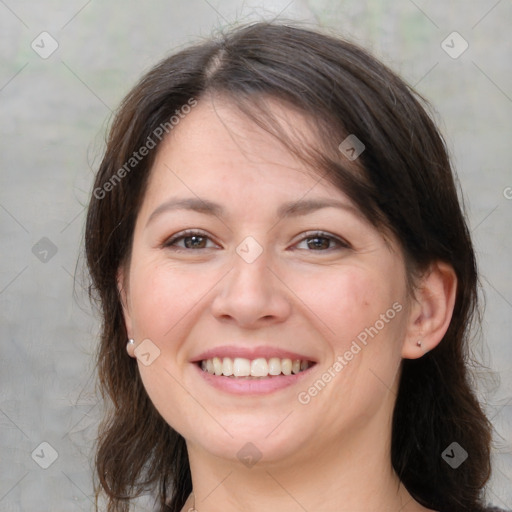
x=256, y=386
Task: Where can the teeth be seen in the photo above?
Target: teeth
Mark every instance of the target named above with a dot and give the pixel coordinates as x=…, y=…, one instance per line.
x=217, y=366
x=274, y=366
x=260, y=367
x=286, y=366
x=227, y=366
x=241, y=367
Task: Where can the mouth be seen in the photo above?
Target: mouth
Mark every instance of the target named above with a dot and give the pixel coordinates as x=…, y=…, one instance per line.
x=250, y=371
x=253, y=369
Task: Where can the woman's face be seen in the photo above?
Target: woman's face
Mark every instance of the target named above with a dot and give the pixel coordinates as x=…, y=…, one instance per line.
x=244, y=254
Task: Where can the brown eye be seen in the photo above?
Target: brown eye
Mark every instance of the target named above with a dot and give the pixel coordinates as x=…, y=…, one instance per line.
x=194, y=242
x=319, y=242
x=189, y=240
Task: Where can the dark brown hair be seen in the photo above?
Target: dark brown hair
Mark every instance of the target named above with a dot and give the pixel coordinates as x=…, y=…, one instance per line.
x=406, y=186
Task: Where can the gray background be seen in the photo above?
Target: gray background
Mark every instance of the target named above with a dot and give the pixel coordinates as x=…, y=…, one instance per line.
x=53, y=115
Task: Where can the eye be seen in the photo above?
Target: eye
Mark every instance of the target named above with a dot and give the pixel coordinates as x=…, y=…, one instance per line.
x=189, y=239
x=320, y=241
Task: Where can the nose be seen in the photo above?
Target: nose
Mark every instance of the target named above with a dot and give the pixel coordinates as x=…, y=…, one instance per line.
x=251, y=295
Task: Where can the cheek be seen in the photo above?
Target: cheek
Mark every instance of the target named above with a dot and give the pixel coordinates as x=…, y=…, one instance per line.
x=364, y=311
x=160, y=297
x=345, y=302
x=166, y=295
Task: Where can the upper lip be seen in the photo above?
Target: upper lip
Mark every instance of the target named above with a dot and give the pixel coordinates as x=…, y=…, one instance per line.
x=233, y=351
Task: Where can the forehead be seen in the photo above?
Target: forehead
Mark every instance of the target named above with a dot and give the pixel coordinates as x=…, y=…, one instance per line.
x=216, y=147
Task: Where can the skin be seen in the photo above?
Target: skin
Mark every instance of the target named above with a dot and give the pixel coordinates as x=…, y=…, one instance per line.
x=333, y=453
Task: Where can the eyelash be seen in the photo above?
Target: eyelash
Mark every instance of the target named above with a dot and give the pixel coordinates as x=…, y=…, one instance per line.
x=308, y=236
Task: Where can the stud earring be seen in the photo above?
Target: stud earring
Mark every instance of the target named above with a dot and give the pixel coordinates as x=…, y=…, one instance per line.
x=418, y=343
x=130, y=343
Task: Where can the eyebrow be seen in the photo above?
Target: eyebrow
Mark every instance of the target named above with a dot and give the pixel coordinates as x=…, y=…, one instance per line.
x=290, y=209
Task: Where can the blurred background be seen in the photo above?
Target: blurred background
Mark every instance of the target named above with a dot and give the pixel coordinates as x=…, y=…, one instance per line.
x=64, y=68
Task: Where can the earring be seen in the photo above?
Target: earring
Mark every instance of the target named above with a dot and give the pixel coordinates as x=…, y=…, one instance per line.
x=130, y=343
x=418, y=343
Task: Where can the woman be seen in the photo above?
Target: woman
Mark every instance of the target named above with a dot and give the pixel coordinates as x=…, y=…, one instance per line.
x=275, y=236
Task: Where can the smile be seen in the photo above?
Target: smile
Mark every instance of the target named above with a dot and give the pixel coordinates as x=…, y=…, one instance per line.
x=259, y=368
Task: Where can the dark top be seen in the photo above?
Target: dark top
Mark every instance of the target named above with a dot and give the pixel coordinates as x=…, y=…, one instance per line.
x=490, y=509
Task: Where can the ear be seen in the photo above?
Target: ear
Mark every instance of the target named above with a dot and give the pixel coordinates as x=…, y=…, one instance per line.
x=431, y=310
x=122, y=283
